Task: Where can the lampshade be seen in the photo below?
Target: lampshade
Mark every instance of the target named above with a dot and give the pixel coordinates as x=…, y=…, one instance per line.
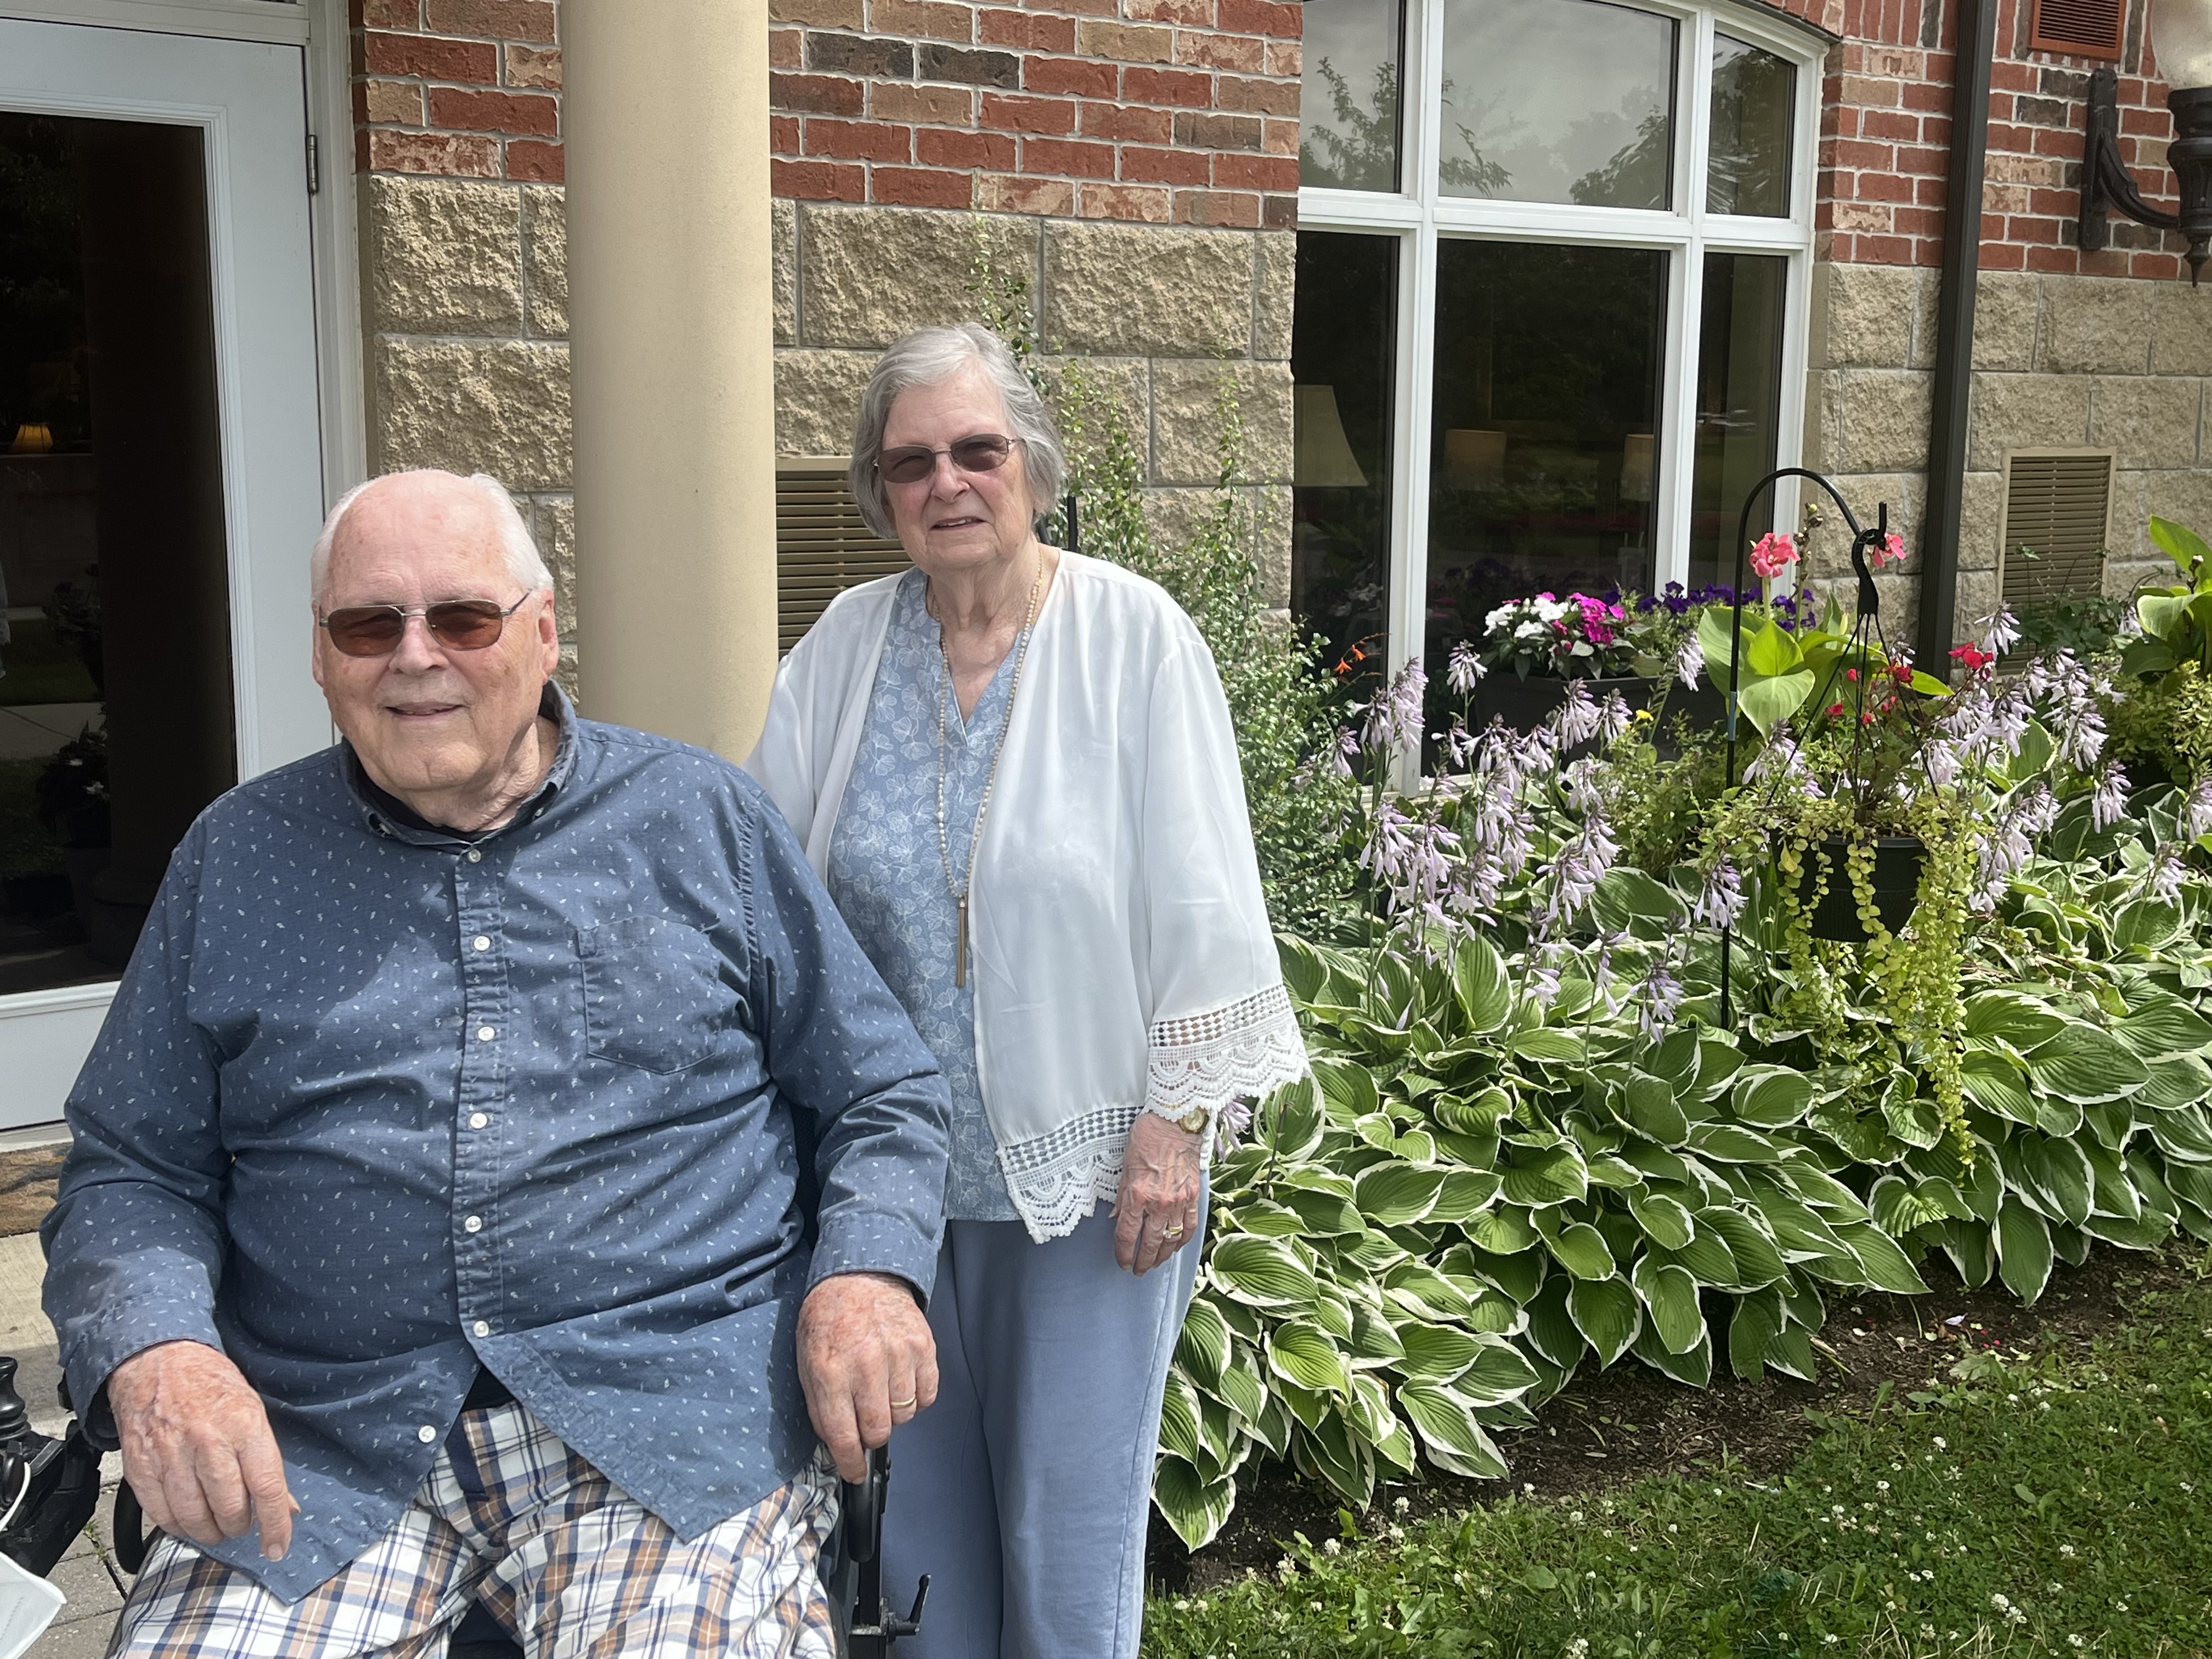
x=1324, y=458
x=1474, y=458
x=1636, y=467
x=2181, y=36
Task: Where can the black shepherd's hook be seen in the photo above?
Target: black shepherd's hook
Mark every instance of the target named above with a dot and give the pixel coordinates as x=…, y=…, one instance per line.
x=1869, y=612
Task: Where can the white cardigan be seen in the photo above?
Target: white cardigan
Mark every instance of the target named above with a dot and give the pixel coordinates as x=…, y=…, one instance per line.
x=1121, y=948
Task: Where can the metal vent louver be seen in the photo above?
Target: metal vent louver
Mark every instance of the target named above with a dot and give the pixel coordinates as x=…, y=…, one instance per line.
x=823, y=546
x=2077, y=28
x=2059, y=507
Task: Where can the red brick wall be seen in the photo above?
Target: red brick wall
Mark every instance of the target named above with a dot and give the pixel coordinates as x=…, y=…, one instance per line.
x=1165, y=111
x=461, y=89
x=1885, y=134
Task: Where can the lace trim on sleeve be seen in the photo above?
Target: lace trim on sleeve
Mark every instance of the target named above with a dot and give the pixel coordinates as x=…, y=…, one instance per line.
x=1058, y=1178
x=1214, y=1059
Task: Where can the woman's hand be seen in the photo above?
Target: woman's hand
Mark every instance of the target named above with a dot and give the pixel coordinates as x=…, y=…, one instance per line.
x=1156, y=1213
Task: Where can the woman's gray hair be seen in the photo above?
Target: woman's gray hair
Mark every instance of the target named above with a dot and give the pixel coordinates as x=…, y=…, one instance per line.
x=524, y=561
x=930, y=356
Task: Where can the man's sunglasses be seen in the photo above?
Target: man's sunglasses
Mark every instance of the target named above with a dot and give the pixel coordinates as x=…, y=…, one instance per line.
x=985, y=452
x=375, y=630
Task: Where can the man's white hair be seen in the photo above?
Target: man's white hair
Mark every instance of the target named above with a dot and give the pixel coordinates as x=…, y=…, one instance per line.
x=524, y=561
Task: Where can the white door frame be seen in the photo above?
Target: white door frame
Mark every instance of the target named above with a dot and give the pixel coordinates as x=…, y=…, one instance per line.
x=44, y=1035
x=319, y=27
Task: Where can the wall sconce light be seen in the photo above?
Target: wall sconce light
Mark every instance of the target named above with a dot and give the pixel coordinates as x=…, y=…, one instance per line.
x=2181, y=38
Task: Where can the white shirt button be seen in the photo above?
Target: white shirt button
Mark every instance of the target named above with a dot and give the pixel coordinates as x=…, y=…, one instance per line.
x=477, y=1119
x=480, y=943
x=482, y=1328
x=426, y=1434
x=473, y=856
x=485, y=1034
x=474, y=1223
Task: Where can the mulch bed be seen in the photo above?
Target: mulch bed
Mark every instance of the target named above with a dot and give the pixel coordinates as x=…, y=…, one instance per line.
x=1619, y=1425
x=27, y=1187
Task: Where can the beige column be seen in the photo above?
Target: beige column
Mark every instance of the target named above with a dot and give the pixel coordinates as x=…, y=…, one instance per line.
x=665, y=122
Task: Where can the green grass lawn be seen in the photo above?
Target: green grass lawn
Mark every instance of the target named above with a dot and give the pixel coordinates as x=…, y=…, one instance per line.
x=40, y=670
x=2058, y=1502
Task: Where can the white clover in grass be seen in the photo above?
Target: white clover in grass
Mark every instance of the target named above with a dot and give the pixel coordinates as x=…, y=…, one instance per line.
x=2066, y=1549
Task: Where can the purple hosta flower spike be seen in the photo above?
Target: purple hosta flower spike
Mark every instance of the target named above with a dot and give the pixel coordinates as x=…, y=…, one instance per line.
x=1722, y=902
x=1579, y=783
x=1347, y=751
x=2002, y=631
x=2110, y=803
x=1612, y=718
x=2196, y=813
x=1236, y=1118
x=1660, y=996
x=2167, y=873
x=1576, y=720
x=1394, y=719
x=1690, y=662
x=1464, y=668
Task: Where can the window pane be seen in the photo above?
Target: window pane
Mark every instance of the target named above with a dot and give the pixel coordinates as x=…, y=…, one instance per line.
x=1546, y=403
x=116, y=720
x=1739, y=405
x=1558, y=100
x=1348, y=103
x=1754, y=94
x=1342, y=353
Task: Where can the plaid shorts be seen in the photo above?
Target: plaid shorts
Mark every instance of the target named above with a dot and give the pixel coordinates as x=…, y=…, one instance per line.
x=510, y=1516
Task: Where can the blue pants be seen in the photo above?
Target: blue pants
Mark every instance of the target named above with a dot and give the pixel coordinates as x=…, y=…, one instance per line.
x=1024, y=1491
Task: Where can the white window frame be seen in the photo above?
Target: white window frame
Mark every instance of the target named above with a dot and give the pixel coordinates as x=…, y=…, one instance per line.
x=1419, y=215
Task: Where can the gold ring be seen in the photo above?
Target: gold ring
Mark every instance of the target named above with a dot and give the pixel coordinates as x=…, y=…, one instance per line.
x=1175, y=1231
x=903, y=1405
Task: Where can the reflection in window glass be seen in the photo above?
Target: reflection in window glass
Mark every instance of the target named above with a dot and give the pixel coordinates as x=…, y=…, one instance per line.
x=1739, y=405
x=1557, y=100
x=1348, y=103
x=1754, y=95
x=1544, y=462
x=1341, y=356
x=116, y=718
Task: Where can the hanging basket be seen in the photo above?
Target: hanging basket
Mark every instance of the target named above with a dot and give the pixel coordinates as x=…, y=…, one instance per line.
x=1897, y=863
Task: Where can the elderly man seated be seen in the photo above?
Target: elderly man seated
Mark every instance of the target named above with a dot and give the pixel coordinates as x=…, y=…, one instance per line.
x=435, y=1226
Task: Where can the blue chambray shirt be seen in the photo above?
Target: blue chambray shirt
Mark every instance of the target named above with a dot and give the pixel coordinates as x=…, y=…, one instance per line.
x=376, y=1105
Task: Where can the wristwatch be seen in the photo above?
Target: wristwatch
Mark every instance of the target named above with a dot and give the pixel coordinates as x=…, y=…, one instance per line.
x=1193, y=1121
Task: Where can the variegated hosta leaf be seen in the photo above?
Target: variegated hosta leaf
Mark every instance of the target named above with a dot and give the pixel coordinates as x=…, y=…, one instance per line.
x=1202, y=1349
x=1670, y=1298
x=1264, y=1272
x=1196, y=1509
x=1301, y=1352
x=1606, y=1313
x=1454, y=1440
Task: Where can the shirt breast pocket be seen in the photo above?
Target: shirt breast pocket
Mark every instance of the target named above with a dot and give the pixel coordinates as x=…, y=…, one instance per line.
x=653, y=995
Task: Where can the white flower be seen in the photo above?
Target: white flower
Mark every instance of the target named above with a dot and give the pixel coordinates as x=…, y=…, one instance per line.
x=2066, y=1549
x=1331, y=1546
x=1940, y=1443
x=1530, y=630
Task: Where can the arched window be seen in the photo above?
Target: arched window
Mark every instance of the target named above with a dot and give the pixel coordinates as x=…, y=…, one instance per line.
x=1554, y=261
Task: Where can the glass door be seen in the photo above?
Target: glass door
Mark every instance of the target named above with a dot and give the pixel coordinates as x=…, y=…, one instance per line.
x=160, y=485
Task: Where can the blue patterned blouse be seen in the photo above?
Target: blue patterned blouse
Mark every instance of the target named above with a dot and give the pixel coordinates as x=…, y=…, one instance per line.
x=887, y=874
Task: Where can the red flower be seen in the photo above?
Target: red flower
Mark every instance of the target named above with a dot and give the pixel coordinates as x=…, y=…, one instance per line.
x=1852, y=675
x=1901, y=672
x=1834, y=710
x=1973, y=658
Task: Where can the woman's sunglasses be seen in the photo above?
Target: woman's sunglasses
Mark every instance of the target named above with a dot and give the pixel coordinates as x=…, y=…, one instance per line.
x=985, y=452
x=375, y=630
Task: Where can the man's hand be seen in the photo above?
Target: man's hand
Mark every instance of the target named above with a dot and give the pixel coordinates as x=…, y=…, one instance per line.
x=1156, y=1213
x=196, y=1446
x=868, y=1362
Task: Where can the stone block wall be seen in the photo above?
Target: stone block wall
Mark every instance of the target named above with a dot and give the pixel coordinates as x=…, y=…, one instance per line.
x=1165, y=285
x=1160, y=315
x=2059, y=362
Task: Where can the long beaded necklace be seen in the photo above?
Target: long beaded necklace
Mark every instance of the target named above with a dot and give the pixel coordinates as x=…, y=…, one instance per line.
x=961, y=889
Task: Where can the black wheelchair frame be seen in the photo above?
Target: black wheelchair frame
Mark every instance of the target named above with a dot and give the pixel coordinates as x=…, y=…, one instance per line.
x=50, y=1487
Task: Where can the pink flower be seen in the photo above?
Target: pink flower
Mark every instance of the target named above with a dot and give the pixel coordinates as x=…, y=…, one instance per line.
x=1891, y=552
x=1776, y=552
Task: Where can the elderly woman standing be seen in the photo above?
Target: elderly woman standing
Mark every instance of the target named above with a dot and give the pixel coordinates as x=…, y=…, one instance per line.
x=1014, y=768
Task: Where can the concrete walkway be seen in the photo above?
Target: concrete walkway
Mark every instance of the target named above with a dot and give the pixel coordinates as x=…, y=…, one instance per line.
x=86, y=1575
